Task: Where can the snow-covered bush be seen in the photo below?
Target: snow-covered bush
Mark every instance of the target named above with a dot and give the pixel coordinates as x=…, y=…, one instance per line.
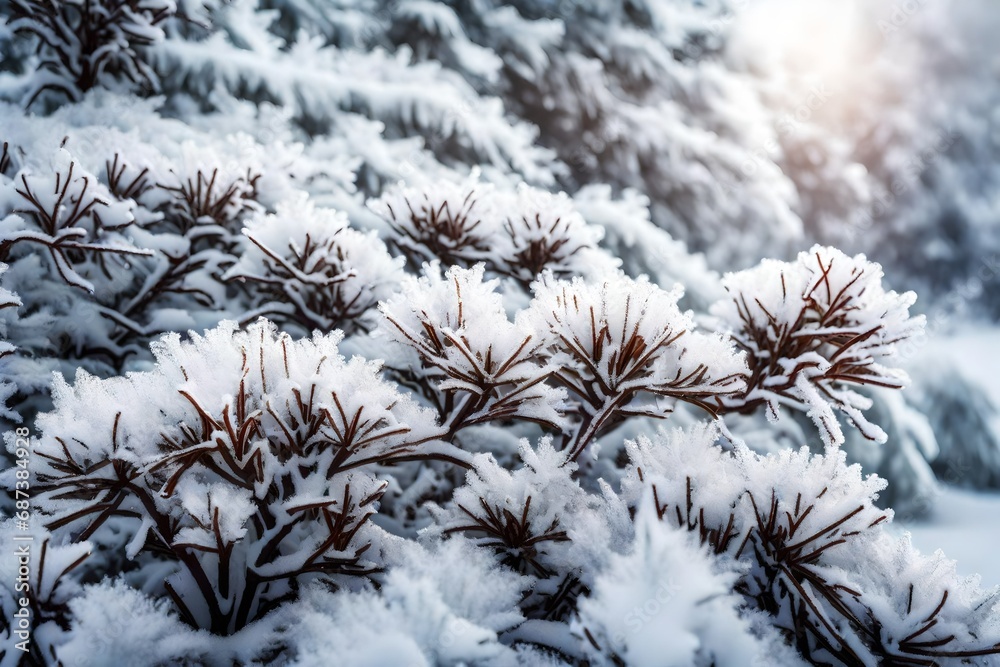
x=477, y=365
x=541, y=523
x=7, y=388
x=812, y=329
x=623, y=348
x=450, y=222
x=246, y=466
x=515, y=235
x=543, y=232
x=812, y=551
x=314, y=270
x=119, y=234
x=82, y=44
x=68, y=212
x=489, y=207
x=253, y=477
x=38, y=591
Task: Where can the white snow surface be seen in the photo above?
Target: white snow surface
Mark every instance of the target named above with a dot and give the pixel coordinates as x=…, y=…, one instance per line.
x=965, y=524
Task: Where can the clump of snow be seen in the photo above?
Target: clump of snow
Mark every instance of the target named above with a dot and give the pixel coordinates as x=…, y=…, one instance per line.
x=439, y=606
x=114, y=624
x=664, y=603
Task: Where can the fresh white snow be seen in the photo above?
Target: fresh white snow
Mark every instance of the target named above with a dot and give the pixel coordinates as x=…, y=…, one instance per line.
x=965, y=524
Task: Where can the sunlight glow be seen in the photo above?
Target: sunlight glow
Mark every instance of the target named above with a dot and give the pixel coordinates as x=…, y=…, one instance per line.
x=808, y=37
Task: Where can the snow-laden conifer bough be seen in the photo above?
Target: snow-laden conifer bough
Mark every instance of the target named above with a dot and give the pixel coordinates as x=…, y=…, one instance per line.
x=247, y=468
x=306, y=414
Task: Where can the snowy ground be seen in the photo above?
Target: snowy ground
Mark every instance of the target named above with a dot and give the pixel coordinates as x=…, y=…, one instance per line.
x=966, y=524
